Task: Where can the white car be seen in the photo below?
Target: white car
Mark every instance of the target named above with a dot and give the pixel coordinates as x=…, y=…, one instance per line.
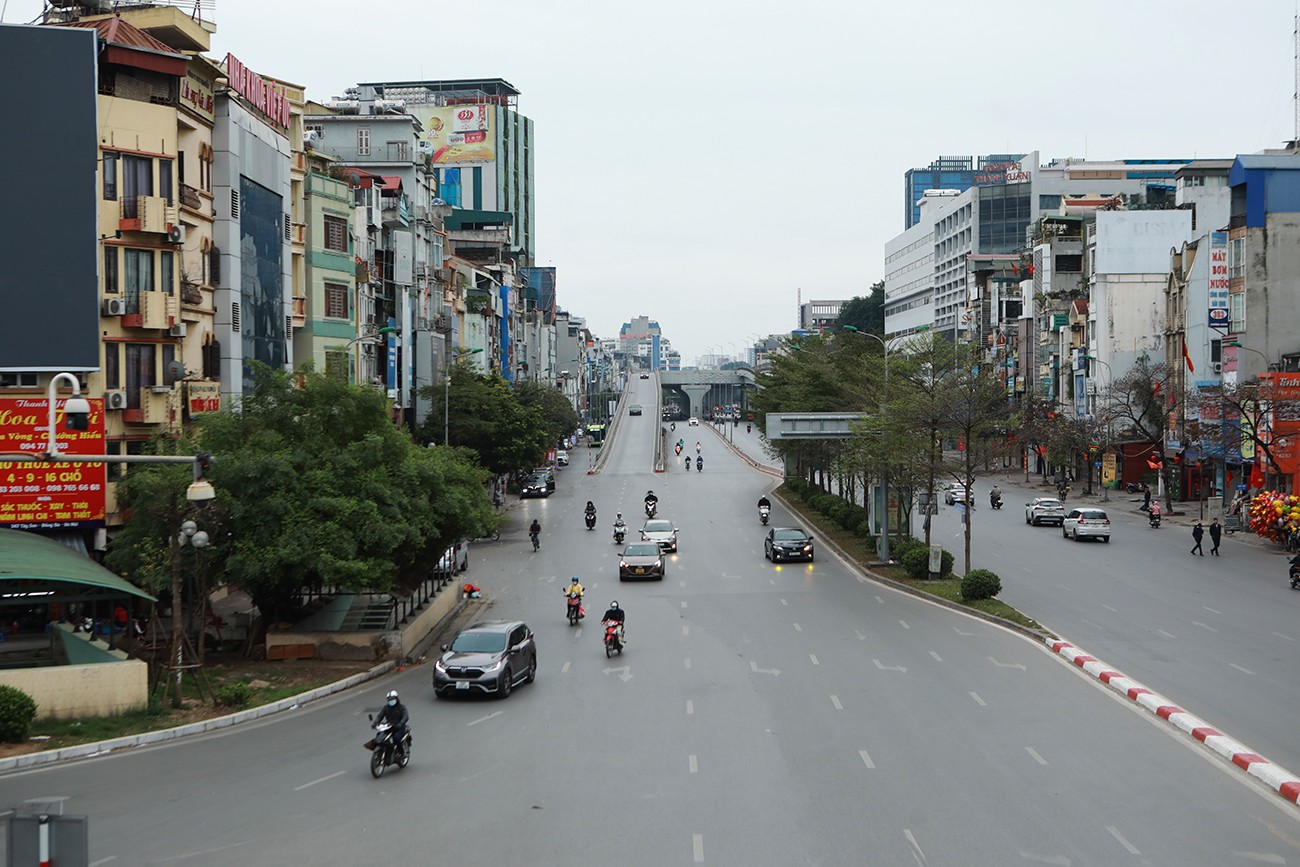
x=1086, y=523
x=1044, y=510
x=693, y=421
x=957, y=493
x=662, y=532
x=562, y=458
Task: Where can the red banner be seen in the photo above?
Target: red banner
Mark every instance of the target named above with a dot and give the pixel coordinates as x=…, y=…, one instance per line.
x=49, y=496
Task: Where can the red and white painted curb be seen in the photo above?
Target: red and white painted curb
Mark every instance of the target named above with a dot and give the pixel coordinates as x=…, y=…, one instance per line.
x=1274, y=776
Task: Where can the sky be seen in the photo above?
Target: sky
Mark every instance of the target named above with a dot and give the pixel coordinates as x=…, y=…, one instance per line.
x=704, y=162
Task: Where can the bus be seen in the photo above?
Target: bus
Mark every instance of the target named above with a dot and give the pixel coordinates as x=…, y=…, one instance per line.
x=595, y=435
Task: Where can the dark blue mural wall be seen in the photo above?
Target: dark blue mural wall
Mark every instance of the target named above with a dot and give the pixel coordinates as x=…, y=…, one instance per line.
x=261, y=285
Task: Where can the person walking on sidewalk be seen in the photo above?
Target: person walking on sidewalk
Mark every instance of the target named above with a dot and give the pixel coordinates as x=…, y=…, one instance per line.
x=1216, y=533
x=1197, y=533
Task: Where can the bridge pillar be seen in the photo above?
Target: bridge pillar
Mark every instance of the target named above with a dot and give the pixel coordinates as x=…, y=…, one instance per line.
x=696, y=394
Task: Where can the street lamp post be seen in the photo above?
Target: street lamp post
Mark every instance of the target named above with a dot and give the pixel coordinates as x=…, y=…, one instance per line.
x=1105, y=491
x=884, y=469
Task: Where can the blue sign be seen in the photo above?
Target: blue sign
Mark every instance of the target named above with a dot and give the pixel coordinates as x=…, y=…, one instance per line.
x=392, y=354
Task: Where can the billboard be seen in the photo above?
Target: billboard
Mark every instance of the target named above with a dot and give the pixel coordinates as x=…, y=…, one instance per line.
x=456, y=133
x=41, y=496
x=50, y=279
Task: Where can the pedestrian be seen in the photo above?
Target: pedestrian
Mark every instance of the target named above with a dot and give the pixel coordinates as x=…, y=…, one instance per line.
x=1216, y=532
x=1146, y=497
x=1197, y=533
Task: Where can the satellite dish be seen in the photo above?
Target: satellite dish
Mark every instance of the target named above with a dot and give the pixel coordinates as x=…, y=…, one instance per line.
x=175, y=369
x=354, y=179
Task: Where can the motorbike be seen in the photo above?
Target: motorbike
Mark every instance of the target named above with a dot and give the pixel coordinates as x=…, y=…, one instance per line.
x=1154, y=520
x=995, y=501
x=763, y=513
x=591, y=520
x=699, y=465
x=613, y=638
x=651, y=507
x=385, y=750
x=749, y=428
x=1295, y=577
x=620, y=533
x=1133, y=488
x=574, y=611
x=537, y=541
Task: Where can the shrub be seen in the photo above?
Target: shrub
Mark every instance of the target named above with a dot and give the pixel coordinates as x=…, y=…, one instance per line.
x=980, y=584
x=945, y=564
x=821, y=502
x=17, y=710
x=849, y=519
x=898, y=549
x=916, y=560
x=232, y=695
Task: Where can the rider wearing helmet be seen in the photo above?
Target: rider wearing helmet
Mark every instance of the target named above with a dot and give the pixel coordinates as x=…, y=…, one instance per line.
x=651, y=498
x=393, y=712
x=699, y=462
x=619, y=522
x=615, y=615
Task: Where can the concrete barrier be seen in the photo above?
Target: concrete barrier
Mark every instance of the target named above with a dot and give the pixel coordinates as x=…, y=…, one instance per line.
x=73, y=691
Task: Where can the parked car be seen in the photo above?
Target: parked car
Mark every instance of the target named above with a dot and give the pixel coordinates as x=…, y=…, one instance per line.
x=634, y=409
x=534, y=486
x=645, y=376
x=1044, y=510
x=548, y=474
x=662, y=532
x=487, y=658
x=788, y=543
x=641, y=560
x=957, y=493
x=693, y=421
x=562, y=458
x=1086, y=523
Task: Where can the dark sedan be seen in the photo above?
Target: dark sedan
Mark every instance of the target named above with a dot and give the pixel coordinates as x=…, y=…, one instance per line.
x=534, y=486
x=487, y=658
x=641, y=560
x=788, y=543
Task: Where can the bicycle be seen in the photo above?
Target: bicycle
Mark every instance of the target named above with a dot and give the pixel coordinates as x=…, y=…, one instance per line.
x=537, y=542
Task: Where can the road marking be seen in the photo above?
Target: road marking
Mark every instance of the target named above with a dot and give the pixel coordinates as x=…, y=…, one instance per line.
x=1239, y=668
x=917, y=854
x=937, y=657
x=1033, y=752
x=686, y=630
x=905, y=626
x=1211, y=610
x=564, y=669
x=577, y=632
x=1166, y=634
x=813, y=657
x=880, y=600
x=880, y=665
x=979, y=701
x=693, y=764
x=1114, y=832
x=681, y=583
x=1280, y=635
x=835, y=700
x=1059, y=860
x=484, y=718
x=697, y=844
x=1266, y=857
x=625, y=669
x=959, y=632
x=683, y=603
x=861, y=637
x=103, y=861
x=185, y=855
x=866, y=759
x=321, y=780
x=783, y=602
x=690, y=707
x=753, y=666
x=771, y=581
x=1204, y=625
x=798, y=628
x=1019, y=665
x=1108, y=608
x=688, y=662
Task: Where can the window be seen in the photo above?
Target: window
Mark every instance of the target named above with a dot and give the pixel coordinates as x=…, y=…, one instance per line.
x=18, y=380
x=336, y=364
x=110, y=177
x=110, y=270
x=1236, y=258
x=112, y=367
x=336, y=300
x=168, y=356
x=363, y=141
x=166, y=267
x=397, y=150
x=139, y=277
x=165, y=180
x=137, y=181
x=336, y=234
x=140, y=368
x=1216, y=350
x=1237, y=312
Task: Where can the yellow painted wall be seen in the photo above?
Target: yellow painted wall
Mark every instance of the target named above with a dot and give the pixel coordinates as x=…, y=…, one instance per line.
x=74, y=691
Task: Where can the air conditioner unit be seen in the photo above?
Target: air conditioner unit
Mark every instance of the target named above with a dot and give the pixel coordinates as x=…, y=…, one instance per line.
x=177, y=330
x=114, y=307
x=176, y=234
x=115, y=399
x=1216, y=366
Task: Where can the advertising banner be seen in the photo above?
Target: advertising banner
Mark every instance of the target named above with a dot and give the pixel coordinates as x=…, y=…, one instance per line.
x=457, y=133
x=203, y=397
x=41, y=496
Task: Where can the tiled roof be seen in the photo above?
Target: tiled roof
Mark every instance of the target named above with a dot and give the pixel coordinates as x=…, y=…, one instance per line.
x=115, y=31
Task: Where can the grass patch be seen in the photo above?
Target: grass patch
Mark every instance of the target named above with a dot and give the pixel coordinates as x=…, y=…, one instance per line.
x=863, y=552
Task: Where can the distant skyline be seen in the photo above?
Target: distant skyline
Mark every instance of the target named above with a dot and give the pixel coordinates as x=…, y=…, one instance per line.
x=700, y=162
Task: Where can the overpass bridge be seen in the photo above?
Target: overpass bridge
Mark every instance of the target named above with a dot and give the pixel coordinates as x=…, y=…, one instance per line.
x=696, y=392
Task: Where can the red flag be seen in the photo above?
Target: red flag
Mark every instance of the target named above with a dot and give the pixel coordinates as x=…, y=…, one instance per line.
x=1256, y=476
x=1187, y=358
x=1015, y=269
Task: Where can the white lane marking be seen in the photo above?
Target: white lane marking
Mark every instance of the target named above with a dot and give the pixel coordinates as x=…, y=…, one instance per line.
x=185, y=855
x=813, y=657
x=937, y=657
x=1033, y=752
x=959, y=632
x=1114, y=832
x=880, y=665
x=103, y=861
x=771, y=581
x=693, y=764
x=690, y=707
x=697, y=844
x=835, y=700
x=681, y=583
x=683, y=603
x=686, y=630
x=917, y=854
x=866, y=759
x=905, y=626
x=798, y=628
x=880, y=600
x=688, y=662
x=1239, y=668
x=979, y=701
x=1280, y=635
x=753, y=666
x=1166, y=634
x=1204, y=625
x=861, y=637
x=783, y=602
x=1108, y=608
x=1266, y=857
x=484, y=718
x=577, y=633
x=321, y=780
x=1211, y=610
x=1019, y=665
x=564, y=669
x=1058, y=860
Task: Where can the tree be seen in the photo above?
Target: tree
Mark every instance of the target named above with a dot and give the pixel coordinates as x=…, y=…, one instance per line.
x=556, y=411
x=1139, y=404
x=866, y=312
x=488, y=418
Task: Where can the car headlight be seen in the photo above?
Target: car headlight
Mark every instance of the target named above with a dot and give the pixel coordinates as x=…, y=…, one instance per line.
x=440, y=666
x=496, y=666
x=622, y=564
x=807, y=548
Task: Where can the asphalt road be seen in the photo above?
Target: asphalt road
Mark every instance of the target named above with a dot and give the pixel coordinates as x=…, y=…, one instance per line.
x=1218, y=635
x=761, y=715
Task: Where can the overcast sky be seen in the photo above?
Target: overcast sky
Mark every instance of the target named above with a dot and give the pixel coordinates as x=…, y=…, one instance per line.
x=699, y=162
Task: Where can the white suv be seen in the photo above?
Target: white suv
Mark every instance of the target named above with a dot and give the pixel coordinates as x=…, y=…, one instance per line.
x=1083, y=523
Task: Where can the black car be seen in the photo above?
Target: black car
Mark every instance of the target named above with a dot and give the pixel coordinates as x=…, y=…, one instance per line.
x=548, y=474
x=487, y=658
x=641, y=560
x=534, y=486
x=788, y=543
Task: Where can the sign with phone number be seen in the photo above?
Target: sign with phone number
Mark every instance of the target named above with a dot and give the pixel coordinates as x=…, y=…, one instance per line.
x=41, y=496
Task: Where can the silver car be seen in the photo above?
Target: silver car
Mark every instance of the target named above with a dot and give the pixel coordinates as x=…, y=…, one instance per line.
x=1044, y=510
x=487, y=658
x=662, y=532
x=1086, y=523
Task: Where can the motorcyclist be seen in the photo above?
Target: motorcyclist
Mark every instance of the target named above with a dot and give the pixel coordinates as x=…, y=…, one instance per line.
x=764, y=502
x=614, y=614
x=591, y=508
x=575, y=589
x=699, y=462
x=395, y=713
x=651, y=498
x=619, y=523
x=534, y=530
x=688, y=463
x=1154, y=512
x=697, y=447
x=995, y=495
x=590, y=514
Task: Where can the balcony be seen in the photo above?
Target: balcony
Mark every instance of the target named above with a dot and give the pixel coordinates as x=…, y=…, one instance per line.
x=299, y=317
x=145, y=214
x=190, y=198
x=154, y=406
x=396, y=214
x=154, y=310
x=300, y=234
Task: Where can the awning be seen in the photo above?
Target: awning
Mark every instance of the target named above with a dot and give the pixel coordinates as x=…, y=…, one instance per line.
x=392, y=183
x=32, y=566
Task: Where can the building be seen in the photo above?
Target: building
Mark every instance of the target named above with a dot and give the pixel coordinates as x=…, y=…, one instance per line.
x=948, y=173
x=816, y=315
x=909, y=266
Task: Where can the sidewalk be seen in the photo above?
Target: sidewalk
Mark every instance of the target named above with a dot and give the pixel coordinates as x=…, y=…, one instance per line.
x=752, y=446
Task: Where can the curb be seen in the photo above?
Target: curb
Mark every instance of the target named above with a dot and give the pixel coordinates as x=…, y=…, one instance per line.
x=81, y=751
x=1276, y=777
x=747, y=458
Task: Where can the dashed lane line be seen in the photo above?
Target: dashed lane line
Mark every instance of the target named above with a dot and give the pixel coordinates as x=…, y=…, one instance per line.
x=866, y=759
x=835, y=700
x=321, y=780
x=937, y=657
x=697, y=846
x=978, y=700
x=693, y=764
x=690, y=707
x=1114, y=832
x=813, y=657
x=564, y=669
x=1034, y=753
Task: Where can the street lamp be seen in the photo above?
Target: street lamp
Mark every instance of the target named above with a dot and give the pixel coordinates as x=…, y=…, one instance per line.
x=446, y=394
x=884, y=470
x=1268, y=365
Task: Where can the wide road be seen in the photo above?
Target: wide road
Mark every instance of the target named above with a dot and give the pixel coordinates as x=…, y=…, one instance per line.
x=761, y=715
x=1218, y=635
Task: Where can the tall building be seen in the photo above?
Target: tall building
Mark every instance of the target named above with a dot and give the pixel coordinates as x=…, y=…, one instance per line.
x=948, y=173
x=816, y=315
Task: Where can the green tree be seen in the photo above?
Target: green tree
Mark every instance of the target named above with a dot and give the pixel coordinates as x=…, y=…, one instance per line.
x=866, y=312
x=556, y=411
x=488, y=418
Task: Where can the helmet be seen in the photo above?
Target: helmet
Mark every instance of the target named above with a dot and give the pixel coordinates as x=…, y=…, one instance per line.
x=649, y=493
x=575, y=580
x=392, y=697
x=614, y=604
x=619, y=515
